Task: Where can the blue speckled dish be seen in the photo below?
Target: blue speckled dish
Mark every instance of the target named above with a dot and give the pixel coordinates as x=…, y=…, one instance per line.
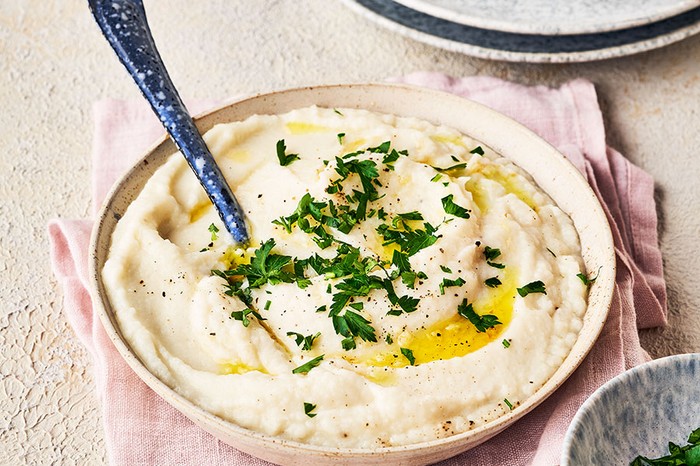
x=637, y=413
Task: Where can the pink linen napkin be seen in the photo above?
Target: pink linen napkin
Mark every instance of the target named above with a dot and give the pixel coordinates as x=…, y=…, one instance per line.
x=141, y=429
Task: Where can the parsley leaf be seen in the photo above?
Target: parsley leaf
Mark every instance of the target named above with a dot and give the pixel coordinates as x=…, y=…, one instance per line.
x=458, y=166
x=243, y=316
x=447, y=282
x=492, y=282
x=490, y=254
x=284, y=158
x=477, y=150
x=482, y=323
x=264, y=267
x=410, y=241
x=308, y=407
x=409, y=355
x=213, y=230
x=341, y=137
x=532, y=287
x=588, y=281
x=506, y=343
x=453, y=209
x=305, y=342
x=306, y=367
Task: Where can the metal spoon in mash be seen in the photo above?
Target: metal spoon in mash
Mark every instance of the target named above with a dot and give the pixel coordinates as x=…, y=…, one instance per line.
x=123, y=23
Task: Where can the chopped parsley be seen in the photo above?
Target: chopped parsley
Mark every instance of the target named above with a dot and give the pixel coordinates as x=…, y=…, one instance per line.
x=408, y=354
x=445, y=269
x=409, y=241
x=458, y=166
x=389, y=340
x=436, y=178
x=267, y=305
x=341, y=137
x=447, y=282
x=284, y=158
x=587, y=281
x=506, y=343
x=532, y=287
x=264, y=267
x=243, y=316
x=304, y=342
x=482, y=323
x=492, y=282
x=477, y=150
x=307, y=366
x=213, y=229
x=508, y=403
x=490, y=254
x=688, y=455
x=308, y=407
x=453, y=209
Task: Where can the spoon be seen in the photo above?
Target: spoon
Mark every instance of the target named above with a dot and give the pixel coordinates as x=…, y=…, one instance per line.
x=123, y=23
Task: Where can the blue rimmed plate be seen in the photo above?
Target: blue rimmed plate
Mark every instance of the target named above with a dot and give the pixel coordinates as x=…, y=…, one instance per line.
x=518, y=47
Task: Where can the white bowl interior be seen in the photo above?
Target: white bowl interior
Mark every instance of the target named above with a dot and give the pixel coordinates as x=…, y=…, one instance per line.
x=554, y=174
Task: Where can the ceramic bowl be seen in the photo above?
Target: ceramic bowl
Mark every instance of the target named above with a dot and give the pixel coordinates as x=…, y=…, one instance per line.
x=550, y=169
x=637, y=413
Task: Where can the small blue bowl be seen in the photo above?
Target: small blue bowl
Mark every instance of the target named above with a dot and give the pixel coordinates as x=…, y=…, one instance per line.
x=637, y=413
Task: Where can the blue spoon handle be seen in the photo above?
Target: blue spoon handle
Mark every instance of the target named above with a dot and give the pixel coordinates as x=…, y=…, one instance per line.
x=123, y=23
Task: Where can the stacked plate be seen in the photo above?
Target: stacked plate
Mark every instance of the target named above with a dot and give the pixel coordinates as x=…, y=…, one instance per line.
x=554, y=31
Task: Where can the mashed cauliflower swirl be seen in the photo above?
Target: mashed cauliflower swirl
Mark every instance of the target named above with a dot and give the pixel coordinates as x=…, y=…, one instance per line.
x=403, y=282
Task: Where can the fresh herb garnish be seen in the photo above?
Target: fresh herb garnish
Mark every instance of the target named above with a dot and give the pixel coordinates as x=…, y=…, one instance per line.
x=508, y=403
x=506, y=343
x=213, y=229
x=458, y=166
x=532, y=287
x=284, y=158
x=408, y=354
x=304, y=342
x=445, y=269
x=490, y=254
x=341, y=137
x=308, y=407
x=482, y=323
x=453, y=209
x=307, y=366
x=243, y=316
x=264, y=267
x=447, y=282
x=436, y=178
x=477, y=150
x=492, y=282
x=389, y=340
x=409, y=241
x=267, y=305
x=688, y=455
x=588, y=281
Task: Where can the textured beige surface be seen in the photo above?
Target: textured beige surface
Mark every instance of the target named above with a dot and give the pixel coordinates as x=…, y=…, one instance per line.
x=54, y=64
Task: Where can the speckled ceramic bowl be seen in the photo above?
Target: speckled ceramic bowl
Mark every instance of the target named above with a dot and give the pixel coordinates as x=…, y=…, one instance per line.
x=637, y=413
x=550, y=169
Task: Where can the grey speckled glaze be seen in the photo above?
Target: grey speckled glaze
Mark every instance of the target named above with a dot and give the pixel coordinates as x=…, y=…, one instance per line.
x=637, y=413
x=124, y=25
x=554, y=18
x=517, y=47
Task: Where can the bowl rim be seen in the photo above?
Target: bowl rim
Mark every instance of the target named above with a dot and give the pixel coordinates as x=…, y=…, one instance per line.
x=622, y=378
x=481, y=433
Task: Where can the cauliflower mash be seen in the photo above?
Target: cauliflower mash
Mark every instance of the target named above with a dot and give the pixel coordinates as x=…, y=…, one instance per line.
x=402, y=283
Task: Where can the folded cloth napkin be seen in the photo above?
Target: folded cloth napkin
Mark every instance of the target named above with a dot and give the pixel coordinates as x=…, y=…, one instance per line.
x=142, y=429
